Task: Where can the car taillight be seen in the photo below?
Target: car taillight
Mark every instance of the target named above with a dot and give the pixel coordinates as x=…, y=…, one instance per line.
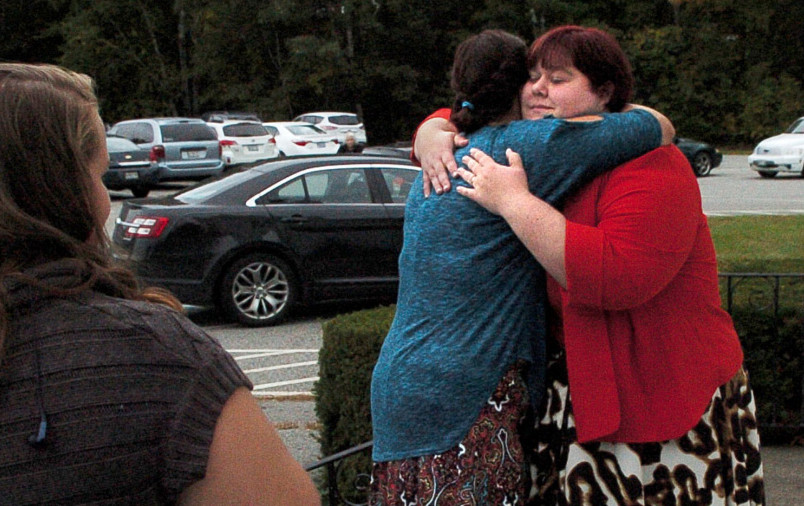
x=272, y=140
x=301, y=143
x=146, y=226
x=227, y=142
x=335, y=141
x=157, y=153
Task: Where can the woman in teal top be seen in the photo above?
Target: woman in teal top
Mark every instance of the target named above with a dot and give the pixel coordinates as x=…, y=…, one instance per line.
x=470, y=321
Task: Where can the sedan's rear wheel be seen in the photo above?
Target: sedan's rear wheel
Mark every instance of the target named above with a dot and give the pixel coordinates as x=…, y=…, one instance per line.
x=702, y=163
x=767, y=173
x=258, y=290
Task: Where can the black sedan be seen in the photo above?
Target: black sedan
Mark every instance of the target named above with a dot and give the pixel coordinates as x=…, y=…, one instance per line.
x=703, y=157
x=258, y=242
x=130, y=167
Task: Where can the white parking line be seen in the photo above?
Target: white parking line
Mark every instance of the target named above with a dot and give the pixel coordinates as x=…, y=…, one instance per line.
x=276, y=351
x=283, y=383
x=284, y=366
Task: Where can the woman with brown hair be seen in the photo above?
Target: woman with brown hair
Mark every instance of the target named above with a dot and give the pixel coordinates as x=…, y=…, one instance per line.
x=108, y=393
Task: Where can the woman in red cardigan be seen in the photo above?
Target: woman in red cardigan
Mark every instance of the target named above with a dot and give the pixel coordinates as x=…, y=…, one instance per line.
x=647, y=399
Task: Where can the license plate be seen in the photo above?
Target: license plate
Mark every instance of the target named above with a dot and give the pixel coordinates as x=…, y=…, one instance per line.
x=321, y=144
x=193, y=155
x=253, y=148
x=130, y=175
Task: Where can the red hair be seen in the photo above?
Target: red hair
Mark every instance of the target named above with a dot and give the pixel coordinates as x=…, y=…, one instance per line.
x=595, y=53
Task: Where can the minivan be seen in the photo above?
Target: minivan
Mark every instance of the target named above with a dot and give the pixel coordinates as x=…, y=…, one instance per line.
x=182, y=148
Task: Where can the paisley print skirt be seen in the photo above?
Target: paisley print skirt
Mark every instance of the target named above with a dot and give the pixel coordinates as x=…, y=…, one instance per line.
x=717, y=462
x=487, y=467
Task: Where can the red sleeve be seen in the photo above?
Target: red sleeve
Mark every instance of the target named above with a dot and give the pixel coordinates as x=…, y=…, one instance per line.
x=647, y=216
x=441, y=113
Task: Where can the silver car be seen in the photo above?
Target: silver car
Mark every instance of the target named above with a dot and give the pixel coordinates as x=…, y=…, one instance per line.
x=182, y=148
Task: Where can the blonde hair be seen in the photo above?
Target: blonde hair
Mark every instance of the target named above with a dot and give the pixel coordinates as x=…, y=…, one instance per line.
x=49, y=135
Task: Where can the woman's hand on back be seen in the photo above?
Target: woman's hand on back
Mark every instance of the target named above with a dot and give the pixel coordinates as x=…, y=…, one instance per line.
x=494, y=186
x=436, y=140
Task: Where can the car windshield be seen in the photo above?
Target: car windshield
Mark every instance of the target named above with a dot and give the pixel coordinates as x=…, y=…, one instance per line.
x=181, y=132
x=244, y=130
x=305, y=130
x=206, y=191
x=797, y=127
x=116, y=144
x=344, y=119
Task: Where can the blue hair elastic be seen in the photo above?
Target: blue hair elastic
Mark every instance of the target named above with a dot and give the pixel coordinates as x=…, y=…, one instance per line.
x=468, y=105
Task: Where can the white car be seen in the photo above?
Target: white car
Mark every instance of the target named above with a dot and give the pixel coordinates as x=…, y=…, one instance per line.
x=780, y=153
x=298, y=139
x=340, y=123
x=244, y=141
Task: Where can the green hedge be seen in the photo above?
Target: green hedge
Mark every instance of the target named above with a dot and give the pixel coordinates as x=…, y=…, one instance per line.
x=342, y=394
x=774, y=358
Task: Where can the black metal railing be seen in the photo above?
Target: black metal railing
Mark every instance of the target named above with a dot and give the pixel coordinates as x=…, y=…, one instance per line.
x=764, y=293
x=332, y=464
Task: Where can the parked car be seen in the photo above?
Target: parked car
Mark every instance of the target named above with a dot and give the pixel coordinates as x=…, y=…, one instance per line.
x=780, y=153
x=703, y=157
x=224, y=115
x=259, y=242
x=298, y=139
x=182, y=148
x=130, y=167
x=340, y=123
x=244, y=141
x=403, y=152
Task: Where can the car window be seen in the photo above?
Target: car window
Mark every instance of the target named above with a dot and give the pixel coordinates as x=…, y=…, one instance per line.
x=182, y=132
x=797, y=127
x=344, y=119
x=399, y=182
x=117, y=144
x=204, y=192
x=335, y=186
x=310, y=119
x=244, y=130
x=305, y=130
x=139, y=133
x=272, y=130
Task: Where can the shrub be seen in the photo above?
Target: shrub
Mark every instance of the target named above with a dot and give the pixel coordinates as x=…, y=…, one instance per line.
x=351, y=344
x=774, y=359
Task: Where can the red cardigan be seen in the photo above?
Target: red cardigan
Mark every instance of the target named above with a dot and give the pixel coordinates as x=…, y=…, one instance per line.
x=646, y=340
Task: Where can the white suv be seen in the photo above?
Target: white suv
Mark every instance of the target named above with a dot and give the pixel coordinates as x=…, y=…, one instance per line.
x=339, y=123
x=780, y=153
x=244, y=141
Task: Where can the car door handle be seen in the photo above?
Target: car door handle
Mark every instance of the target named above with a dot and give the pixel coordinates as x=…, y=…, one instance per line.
x=296, y=218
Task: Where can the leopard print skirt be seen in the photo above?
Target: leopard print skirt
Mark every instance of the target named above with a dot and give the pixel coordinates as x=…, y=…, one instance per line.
x=716, y=462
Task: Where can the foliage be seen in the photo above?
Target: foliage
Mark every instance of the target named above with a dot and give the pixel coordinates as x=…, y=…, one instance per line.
x=351, y=344
x=725, y=71
x=774, y=359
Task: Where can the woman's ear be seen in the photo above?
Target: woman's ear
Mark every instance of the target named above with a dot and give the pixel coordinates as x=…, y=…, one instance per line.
x=605, y=92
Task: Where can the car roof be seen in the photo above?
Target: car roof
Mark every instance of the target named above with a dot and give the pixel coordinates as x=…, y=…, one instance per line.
x=233, y=122
x=276, y=171
x=165, y=120
x=288, y=123
x=327, y=113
